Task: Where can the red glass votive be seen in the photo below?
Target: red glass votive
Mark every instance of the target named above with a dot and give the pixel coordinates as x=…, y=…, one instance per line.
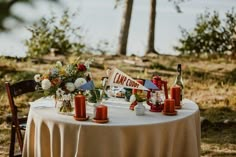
x=169, y=105
x=80, y=108
x=101, y=112
x=175, y=94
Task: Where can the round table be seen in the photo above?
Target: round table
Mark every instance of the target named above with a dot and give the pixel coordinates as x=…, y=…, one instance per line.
x=49, y=133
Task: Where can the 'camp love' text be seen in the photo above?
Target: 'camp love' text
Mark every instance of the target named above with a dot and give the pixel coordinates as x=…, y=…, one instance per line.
x=123, y=80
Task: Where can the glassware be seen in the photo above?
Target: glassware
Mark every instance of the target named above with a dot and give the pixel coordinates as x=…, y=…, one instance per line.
x=65, y=106
x=179, y=81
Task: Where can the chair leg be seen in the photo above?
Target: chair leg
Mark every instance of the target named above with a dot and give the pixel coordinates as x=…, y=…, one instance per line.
x=19, y=138
x=13, y=139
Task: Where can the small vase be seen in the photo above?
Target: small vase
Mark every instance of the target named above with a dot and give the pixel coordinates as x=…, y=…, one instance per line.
x=139, y=109
x=64, y=106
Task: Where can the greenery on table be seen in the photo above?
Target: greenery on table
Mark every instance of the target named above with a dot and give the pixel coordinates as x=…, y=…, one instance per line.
x=50, y=36
x=93, y=96
x=211, y=35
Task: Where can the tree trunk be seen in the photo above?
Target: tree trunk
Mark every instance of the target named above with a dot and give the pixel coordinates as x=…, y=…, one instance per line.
x=125, y=24
x=151, y=32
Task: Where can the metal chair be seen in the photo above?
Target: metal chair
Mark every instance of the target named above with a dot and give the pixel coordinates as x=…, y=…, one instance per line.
x=17, y=124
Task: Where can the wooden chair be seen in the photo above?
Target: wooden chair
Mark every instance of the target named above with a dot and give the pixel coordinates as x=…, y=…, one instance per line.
x=17, y=124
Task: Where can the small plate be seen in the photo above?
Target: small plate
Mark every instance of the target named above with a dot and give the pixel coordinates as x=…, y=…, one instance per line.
x=81, y=119
x=170, y=113
x=100, y=121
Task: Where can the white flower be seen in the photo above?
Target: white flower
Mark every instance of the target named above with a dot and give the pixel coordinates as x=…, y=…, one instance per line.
x=229, y=47
x=60, y=92
x=58, y=64
x=70, y=86
x=79, y=82
x=132, y=98
x=46, y=84
x=37, y=78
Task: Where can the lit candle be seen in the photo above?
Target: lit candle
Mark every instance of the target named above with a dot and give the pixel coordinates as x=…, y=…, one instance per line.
x=101, y=112
x=80, y=108
x=175, y=94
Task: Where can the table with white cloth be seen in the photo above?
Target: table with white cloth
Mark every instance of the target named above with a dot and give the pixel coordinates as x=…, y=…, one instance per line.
x=50, y=134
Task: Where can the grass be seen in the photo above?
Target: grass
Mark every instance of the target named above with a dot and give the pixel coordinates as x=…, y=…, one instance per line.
x=211, y=83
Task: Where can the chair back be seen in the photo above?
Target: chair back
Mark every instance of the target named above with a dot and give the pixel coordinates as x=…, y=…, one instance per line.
x=14, y=90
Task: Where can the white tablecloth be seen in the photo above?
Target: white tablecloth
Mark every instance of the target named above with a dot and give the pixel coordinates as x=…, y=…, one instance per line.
x=126, y=135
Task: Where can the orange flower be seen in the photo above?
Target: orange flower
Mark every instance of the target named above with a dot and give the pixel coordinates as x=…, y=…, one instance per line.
x=55, y=81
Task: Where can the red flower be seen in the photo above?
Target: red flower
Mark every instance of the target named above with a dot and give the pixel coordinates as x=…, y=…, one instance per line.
x=81, y=67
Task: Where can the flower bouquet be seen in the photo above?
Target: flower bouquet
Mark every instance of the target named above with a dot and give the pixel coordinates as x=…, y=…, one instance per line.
x=64, y=82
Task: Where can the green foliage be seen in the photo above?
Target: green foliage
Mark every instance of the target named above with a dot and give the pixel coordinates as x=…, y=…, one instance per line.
x=211, y=35
x=48, y=36
x=93, y=96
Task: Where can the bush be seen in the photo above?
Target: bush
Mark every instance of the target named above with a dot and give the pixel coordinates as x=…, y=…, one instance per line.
x=210, y=35
x=48, y=36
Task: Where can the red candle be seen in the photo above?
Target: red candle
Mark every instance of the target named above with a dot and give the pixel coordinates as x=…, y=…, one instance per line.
x=172, y=105
x=169, y=105
x=101, y=112
x=175, y=94
x=166, y=106
x=80, y=108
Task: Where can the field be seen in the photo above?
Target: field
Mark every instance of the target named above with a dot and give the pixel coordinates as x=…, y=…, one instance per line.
x=211, y=83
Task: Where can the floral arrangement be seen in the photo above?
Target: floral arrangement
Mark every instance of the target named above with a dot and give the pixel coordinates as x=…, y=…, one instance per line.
x=64, y=81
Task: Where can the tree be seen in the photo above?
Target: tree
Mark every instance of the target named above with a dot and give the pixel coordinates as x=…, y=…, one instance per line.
x=48, y=36
x=5, y=11
x=151, y=32
x=125, y=25
x=5, y=7
x=152, y=20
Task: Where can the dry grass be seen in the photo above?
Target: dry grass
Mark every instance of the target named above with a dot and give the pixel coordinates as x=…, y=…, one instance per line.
x=208, y=82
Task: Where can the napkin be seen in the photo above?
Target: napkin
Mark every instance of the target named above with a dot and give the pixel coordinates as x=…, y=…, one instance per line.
x=43, y=102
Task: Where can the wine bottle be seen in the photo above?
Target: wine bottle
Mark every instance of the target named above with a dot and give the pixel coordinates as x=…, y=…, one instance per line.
x=179, y=81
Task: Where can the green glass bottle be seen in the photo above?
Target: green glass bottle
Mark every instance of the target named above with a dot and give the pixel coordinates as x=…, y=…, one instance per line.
x=179, y=81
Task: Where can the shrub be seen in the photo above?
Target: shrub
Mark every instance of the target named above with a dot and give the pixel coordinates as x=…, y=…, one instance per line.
x=210, y=35
x=48, y=36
